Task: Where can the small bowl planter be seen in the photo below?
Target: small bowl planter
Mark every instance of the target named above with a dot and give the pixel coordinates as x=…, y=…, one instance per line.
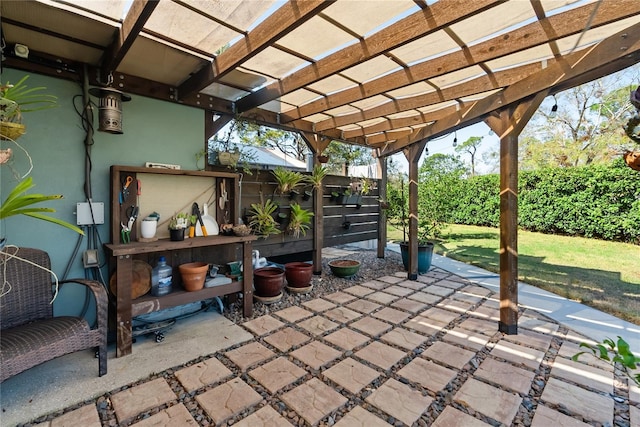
x=268, y=283
x=298, y=276
x=193, y=275
x=344, y=267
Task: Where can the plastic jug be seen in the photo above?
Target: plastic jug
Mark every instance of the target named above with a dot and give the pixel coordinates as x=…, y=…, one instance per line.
x=161, y=278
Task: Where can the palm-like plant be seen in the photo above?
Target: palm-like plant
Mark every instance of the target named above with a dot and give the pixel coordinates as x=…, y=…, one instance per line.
x=317, y=175
x=287, y=179
x=299, y=220
x=261, y=221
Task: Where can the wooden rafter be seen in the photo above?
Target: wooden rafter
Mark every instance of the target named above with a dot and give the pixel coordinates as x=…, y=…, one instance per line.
x=528, y=36
x=289, y=16
x=133, y=23
x=402, y=32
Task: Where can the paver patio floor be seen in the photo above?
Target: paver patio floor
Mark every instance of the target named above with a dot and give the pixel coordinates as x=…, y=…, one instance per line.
x=386, y=352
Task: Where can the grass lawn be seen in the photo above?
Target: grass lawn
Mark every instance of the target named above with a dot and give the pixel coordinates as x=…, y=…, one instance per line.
x=603, y=275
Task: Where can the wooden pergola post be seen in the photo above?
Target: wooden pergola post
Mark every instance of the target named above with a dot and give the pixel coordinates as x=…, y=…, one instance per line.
x=412, y=153
x=317, y=146
x=507, y=124
x=382, y=194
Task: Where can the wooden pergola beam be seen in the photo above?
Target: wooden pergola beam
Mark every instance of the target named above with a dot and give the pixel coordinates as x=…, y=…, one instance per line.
x=290, y=16
x=532, y=35
x=402, y=32
x=413, y=154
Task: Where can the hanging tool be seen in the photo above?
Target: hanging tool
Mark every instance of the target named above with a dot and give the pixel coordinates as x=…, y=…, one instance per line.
x=125, y=232
x=125, y=188
x=197, y=213
x=192, y=227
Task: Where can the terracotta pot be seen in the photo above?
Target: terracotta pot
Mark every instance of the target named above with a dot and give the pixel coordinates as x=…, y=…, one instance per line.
x=344, y=267
x=268, y=281
x=193, y=275
x=298, y=274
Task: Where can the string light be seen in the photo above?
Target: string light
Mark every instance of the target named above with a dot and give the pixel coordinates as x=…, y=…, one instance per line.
x=554, y=109
x=455, y=139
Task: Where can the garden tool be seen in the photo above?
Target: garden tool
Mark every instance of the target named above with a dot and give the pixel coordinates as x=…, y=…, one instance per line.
x=197, y=213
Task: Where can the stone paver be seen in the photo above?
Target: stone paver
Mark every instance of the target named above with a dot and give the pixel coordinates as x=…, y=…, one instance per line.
x=591, y=405
x=380, y=355
x=287, y=338
x=371, y=326
x=438, y=290
x=264, y=417
x=530, y=339
x=482, y=326
x=404, y=338
x=428, y=374
x=451, y=417
x=85, y=416
x=413, y=285
x=130, y=402
x=425, y=325
x=318, y=325
x=175, y=416
x=469, y=298
x=318, y=305
x=506, y=375
x=455, y=305
x=314, y=400
x=360, y=417
x=277, y=374
x=486, y=313
x=358, y=290
x=580, y=373
x=634, y=394
x=518, y=354
x=538, y=325
x=491, y=401
x=400, y=401
x=201, y=374
x=454, y=282
x=250, y=354
x=339, y=297
x=399, y=291
x=545, y=417
x=448, y=354
x=391, y=279
x=382, y=297
x=228, y=399
x=391, y=315
x=466, y=338
x=376, y=285
x=316, y=354
x=351, y=375
x=346, y=339
x=363, y=306
x=634, y=418
x=293, y=314
x=425, y=298
x=263, y=325
x=568, y=349
x=342, y=314
x=412, y=306
x=441, y=315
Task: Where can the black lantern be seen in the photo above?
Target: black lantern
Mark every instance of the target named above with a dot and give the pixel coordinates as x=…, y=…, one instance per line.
x=109, y=108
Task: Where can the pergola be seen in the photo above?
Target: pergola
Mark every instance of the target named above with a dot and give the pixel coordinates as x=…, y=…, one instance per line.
x=389, y=75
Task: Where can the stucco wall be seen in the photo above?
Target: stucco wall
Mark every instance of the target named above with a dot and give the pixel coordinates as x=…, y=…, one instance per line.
x=153, y=131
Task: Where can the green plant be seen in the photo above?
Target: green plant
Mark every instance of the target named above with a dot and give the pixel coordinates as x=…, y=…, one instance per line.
x=621, y=354
x=261, y=221
x=19, y=202
x=17, y=98
x=287, y=179
x=299, y=220
x=317, y=175
x=179, y=221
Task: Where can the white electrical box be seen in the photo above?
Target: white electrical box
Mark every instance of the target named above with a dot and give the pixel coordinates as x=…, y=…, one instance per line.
x=83, y=213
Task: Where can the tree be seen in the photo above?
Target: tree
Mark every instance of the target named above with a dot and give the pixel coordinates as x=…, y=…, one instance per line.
x=470, y=146
x=585, y=128
x=346, y=155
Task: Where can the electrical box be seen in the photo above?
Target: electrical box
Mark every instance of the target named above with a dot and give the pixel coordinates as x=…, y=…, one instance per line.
x=83, y=213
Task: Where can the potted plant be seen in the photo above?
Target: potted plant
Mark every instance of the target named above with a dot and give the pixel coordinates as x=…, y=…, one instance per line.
x=268, y=283
x=344, y=267
x=178, y=224
x=299, y=220
x=16, y=99
x=298, y=275
x=261, y=219
x=318, y=173
x=286, y=179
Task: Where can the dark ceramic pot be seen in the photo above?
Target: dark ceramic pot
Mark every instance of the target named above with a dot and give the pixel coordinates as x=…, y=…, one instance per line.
x=298, y=274
x=176, y=235
x=268, y=281
x=425, y=254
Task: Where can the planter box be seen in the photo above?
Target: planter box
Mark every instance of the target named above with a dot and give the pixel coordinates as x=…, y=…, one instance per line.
x=354, y=199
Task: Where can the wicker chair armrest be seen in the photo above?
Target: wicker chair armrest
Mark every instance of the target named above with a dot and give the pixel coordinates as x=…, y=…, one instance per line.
x=99, y=293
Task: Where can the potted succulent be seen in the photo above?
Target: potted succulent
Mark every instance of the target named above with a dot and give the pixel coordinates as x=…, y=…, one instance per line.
x=261, y=219
x=178, y=224
x=287, y=180
x=299, y=220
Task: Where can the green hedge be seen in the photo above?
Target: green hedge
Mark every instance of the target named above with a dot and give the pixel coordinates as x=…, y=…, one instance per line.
x=598, y=201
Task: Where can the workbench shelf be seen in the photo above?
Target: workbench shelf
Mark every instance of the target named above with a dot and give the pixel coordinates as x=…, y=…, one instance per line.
x=217, y=249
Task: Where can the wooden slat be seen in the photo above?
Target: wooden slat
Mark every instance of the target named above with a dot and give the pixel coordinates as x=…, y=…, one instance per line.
x=288, y=17
x=568, y=23
x=414, y=26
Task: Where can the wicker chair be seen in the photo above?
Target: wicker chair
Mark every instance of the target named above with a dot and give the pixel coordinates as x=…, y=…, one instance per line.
x=29, y=334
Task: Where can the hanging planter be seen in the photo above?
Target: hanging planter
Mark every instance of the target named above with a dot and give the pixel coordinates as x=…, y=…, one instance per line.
x=323, y=158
